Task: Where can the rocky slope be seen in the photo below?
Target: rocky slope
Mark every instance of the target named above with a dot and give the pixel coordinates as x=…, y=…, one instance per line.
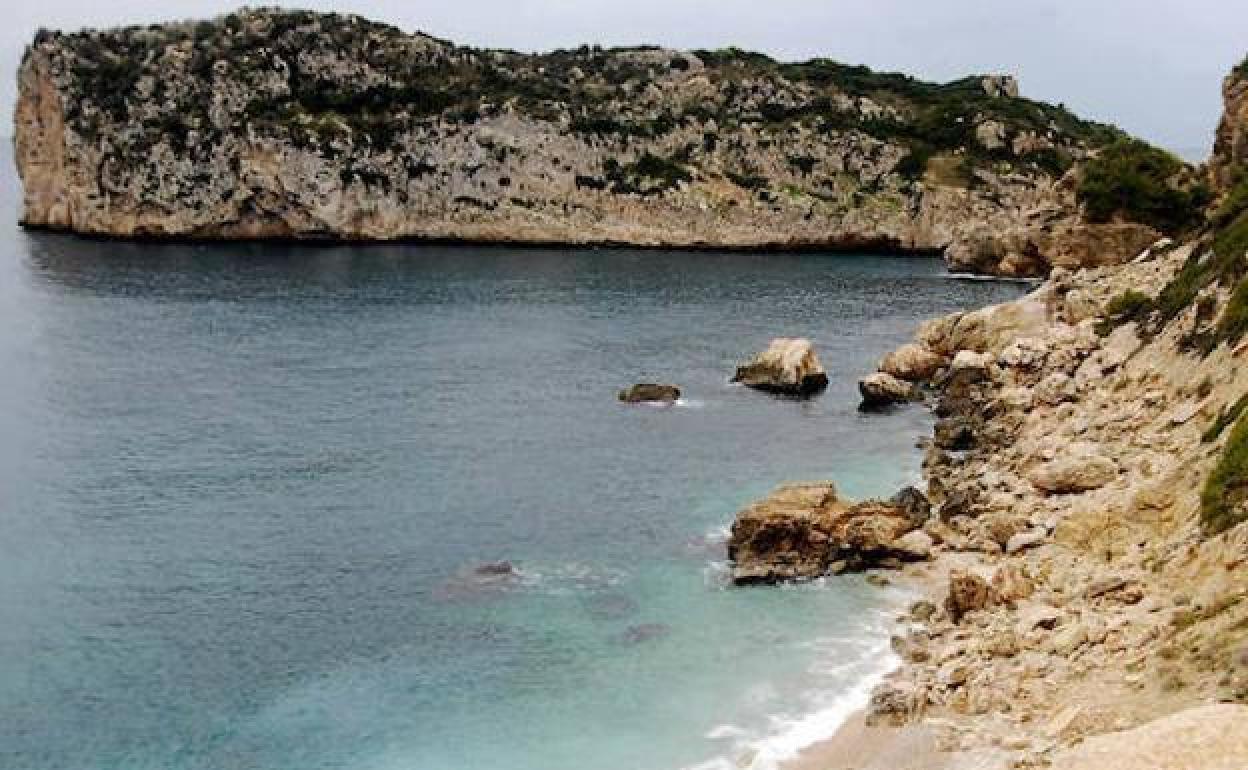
x=285, y=124
x=1089, y=482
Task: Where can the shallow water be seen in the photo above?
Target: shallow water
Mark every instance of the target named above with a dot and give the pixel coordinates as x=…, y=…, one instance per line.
x=243, y=489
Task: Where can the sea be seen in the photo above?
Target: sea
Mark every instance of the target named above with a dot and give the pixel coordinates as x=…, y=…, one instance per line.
x=255, y=500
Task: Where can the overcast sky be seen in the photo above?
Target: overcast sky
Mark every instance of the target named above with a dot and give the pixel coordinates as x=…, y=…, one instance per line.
x=1153, y=67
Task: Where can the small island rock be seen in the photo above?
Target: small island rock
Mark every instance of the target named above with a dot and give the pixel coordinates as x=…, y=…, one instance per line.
x=882, y=389
x=648, y=391
x=786, y=366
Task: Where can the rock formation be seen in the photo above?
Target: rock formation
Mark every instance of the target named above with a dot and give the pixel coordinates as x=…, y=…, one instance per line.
x=803, y=531
x=650, y=392
x=882, y=389
x=268, y=123
x=1090, y=528
x=786, y=366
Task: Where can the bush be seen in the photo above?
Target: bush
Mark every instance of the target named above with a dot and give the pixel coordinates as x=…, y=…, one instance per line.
x=1131, y=305
x=1226, y=489
x=1135, y=181
x=914, y=164
x=1225, y=417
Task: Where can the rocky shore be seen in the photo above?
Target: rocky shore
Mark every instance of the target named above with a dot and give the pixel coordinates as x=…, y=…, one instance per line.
x=1085, y=582
x=268, y=123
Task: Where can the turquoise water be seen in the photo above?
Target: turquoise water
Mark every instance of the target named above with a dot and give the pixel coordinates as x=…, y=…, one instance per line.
x=243, y=490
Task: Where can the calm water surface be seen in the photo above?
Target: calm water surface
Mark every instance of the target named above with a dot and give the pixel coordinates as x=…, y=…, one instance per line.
x=243, y=488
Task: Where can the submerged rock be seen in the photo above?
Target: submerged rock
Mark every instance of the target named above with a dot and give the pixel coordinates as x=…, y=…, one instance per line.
x=478, y=581
x=648, y=391
x=643, y=632
x=786, y=366
x=881, y=389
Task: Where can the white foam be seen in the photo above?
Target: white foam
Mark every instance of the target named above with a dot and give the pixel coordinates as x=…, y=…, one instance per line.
x=690, y=403
x=786, y=736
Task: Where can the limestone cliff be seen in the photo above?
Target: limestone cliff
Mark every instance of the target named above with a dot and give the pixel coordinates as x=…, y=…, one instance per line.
x=1090, y=521
x=268, y=123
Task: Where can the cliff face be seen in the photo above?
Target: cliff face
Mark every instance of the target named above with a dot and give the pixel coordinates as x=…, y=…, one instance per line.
x=1230, y=148
x=1091, y=519
x=292, y=124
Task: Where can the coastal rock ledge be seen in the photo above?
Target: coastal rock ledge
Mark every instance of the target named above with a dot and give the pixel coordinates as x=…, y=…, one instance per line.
x=805, y=530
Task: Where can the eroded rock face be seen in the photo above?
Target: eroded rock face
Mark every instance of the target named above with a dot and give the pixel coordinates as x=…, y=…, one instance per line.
x=786, y=366
x=289, y=124
x=1036, y=249
x=1230, y=148
x=646, y=391
x=803, y=531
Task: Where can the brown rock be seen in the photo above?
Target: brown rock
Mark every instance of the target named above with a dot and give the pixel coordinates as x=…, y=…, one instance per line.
x=880, y=389
x=968, y=592
x=912, y=362
x=647, y=391
x=785, y=536
x=786, y=366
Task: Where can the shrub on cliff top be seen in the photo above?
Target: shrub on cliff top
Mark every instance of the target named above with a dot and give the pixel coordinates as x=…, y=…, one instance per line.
x=1135, y=181
x=1225, y=493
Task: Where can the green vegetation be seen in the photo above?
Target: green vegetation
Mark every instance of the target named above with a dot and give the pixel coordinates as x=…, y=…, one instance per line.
x=751, y=182
x=1226, y=417
x=170, y=73
x=1226, y=490
x=1129, y=306
x=1135, y=181
x=648, y=175
x=1242, y=69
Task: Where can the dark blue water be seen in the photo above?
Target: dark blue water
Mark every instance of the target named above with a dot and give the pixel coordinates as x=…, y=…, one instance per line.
x=243, y=487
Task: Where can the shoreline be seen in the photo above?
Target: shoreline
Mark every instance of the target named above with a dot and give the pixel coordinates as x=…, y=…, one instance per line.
x=1071, y=596
x=873, y=245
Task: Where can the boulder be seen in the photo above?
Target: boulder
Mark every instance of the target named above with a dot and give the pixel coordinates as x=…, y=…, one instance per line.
x=786, y=366
x=912, y=362
x=1078, y=468
x=892, y=703
x=1011, y=583
x=1024, y=540
x=881, y=389
x=785, y=536
x=866, y=534
x=956, y=434
x=968, y=592
x=914, y=504
x=913, y=646
x=648, y=391
x=916, y=545
x=803, y=531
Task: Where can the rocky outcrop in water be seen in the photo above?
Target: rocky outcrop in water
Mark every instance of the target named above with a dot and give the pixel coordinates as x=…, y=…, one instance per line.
x=290, y=124
x=644, y=392
x=803, y=531
x=786, y=366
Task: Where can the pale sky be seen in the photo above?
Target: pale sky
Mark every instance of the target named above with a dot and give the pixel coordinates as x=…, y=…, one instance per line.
x=1153, y=67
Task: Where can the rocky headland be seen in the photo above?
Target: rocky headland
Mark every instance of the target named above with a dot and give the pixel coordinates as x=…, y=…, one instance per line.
x=1087, y=604
x=291, y=124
